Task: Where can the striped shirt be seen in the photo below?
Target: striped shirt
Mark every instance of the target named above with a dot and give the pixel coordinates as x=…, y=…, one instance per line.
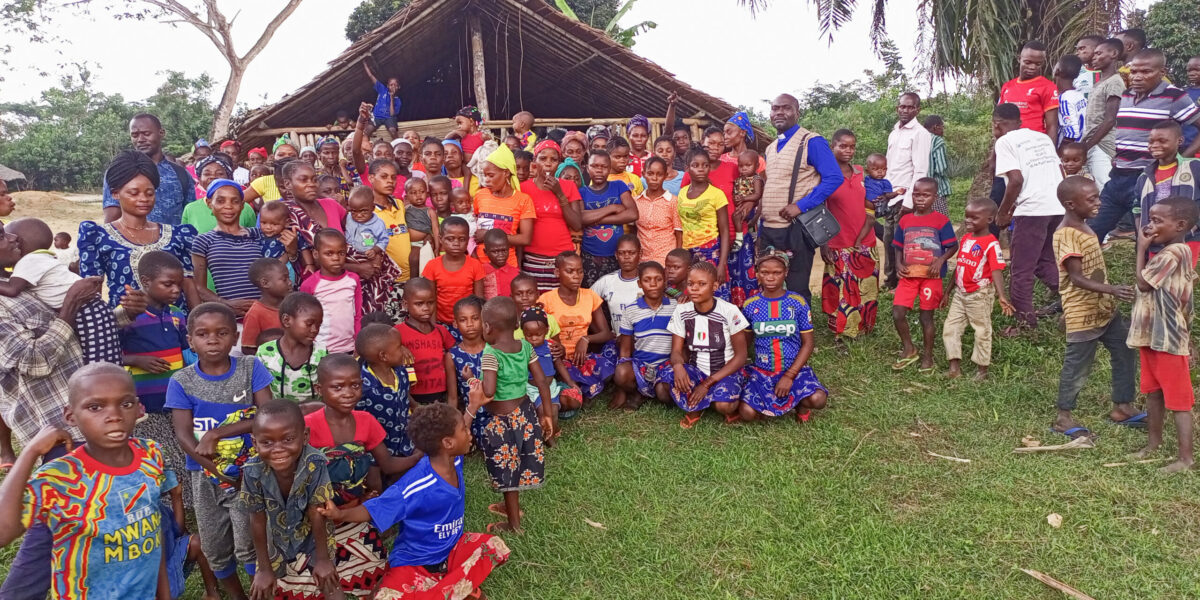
x=939, y=167
x=648, y=326
x=708, y=336
x=229, y=256
x=159, y=333
x=1136, y=117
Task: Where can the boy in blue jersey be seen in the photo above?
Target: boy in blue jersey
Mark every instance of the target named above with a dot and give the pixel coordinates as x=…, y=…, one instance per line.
x=780, y=379
x=645, y=343
x=428, y=504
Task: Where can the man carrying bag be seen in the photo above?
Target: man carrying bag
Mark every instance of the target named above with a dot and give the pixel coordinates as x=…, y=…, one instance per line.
x=801, y=174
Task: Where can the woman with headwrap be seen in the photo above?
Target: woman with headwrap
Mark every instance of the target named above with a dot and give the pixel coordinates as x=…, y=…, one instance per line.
x=502, y=205
x=638, y=133
x=598, y=136
x=466, y=125
x=308, y=154
x=113, y=250
x=739, y=135
x=559, y=210
x=197, y=213
x=227, y=251
x=329, y=162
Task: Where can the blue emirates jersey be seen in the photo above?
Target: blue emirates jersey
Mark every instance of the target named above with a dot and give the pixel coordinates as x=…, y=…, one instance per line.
x=429, y=512
x=777, y=324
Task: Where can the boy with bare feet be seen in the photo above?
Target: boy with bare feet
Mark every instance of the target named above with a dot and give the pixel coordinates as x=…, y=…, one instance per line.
x=1160, y=323
x=978, y=280
x=1090, y=311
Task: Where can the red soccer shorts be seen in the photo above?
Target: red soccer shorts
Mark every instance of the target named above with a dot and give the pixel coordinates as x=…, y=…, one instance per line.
x=927, y=289
x=1169, y=374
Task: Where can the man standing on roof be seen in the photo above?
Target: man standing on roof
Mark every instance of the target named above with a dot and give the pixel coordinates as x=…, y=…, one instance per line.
x=387, y=104
x=801, y=173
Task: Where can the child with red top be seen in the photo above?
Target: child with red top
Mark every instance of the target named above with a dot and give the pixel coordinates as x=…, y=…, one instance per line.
x=924, y=240
x=1036, y=96
x=498, y=273
x=428, y=341
x=454, y=274
x=978, y=279
x=271, y=278
x=338, y=290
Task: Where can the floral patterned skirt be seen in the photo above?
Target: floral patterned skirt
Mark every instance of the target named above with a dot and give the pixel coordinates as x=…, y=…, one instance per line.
x=595, y=267
x=743, y=283
x=728, y=389
x=470, y=562
x=850, y=291
x=760, y=391
x=711, y=253
x=645, y=375
x=361, y=561
x=595, y=372
x=513, y=451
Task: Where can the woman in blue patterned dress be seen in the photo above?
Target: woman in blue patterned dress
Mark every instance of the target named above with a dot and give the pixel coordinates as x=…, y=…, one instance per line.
x=780, y=378
x=113, y=250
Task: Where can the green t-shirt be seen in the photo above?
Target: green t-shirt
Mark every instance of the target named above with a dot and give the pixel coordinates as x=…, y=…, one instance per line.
x=512, y=369
x=199, y=215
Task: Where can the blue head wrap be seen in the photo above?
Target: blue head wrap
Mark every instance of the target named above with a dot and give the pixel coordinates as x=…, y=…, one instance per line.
x=569, y=162
x=220, y=183
x=453, y=142
x=742, y=120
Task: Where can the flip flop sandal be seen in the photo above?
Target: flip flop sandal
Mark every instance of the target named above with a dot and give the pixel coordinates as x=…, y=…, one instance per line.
x=905, y=362
x=1075, y=432
x=733, y=419
x=1137, y=421
x=689, y=421
x=803, y=416
x=498, y=509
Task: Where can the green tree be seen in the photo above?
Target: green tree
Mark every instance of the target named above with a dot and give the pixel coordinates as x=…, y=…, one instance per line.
x=369, y=15
x=1171, y=26
x=623, y=35
x=183, y=107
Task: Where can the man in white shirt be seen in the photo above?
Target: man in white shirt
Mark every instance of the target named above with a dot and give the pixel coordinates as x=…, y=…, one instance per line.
x=908, y=149
x=1028, y=161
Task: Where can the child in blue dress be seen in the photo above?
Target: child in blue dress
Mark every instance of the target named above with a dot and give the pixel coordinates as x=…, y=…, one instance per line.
x=780, y=378
x=463, y=361
x=386, y=377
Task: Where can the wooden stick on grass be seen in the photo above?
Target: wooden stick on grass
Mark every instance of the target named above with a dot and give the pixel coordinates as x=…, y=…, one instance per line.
x=1058, y=585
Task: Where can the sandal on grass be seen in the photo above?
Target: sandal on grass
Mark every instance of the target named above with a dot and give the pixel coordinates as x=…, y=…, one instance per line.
x=905, y=362
x=733, y=418
x=501, y=526
x=689, y=421
x=1075, y=432
x=802, y=416
x=1137, y=421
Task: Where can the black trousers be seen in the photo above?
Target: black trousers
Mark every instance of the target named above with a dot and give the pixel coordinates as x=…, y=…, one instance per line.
x=792, y=238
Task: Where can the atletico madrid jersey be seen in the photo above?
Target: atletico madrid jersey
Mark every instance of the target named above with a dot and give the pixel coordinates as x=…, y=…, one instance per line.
x=777, y=324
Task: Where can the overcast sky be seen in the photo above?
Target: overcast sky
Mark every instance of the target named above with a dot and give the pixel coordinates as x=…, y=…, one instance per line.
x=713, y=45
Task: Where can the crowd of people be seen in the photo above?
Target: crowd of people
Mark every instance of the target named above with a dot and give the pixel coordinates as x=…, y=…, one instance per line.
x=318, y=336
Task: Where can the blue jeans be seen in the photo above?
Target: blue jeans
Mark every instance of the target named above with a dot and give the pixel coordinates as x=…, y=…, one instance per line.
x=29, y=574
x=1116, y=200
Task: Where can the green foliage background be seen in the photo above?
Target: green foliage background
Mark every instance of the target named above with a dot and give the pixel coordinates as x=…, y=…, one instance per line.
x=1172, y=26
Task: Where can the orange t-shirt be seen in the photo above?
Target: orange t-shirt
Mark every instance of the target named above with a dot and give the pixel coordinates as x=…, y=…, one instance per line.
x=258, y=319
x=573, y=321
x=452, y=286
x=504, y=214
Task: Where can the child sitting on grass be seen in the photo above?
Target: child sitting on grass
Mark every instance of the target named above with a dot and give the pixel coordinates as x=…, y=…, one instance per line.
x=780, y=378
x=978, y=280
x=707, y=350
x=1090, y=312
x=679, y=261
x=281, y=489
x=580, y=315
x=292, y=359
x=645, y=342
x=455, y=274
x=924, y=240
x=564, y=394
x=619, y=289
x=431, y=552
x=498, y=274
x=338, y=290
x=1160, y=324
x=74, y=495
x=365, y=231
x=515, y=429
x=426, y=339
x=271, y=278
x=386, y=380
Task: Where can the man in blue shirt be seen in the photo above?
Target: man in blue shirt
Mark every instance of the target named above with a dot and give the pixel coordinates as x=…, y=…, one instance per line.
x=175, y=188
x=387, y=104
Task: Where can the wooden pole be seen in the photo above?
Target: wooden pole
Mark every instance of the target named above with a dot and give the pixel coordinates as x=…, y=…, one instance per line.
x=478, y=74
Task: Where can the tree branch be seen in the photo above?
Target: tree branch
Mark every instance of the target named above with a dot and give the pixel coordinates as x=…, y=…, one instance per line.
x=269, y=31
x=174, y=7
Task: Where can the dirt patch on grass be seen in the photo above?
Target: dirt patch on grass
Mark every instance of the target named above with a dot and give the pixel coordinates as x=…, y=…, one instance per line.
x=61, y=211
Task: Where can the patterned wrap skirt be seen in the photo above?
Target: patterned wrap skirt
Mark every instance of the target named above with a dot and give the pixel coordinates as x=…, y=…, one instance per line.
x=595, y=267
x=513, y=451
x=728, y=389
x=540, y=268
x=595, y=371
x=645, y=375
x=468, y=565
x=760, y=391
x=850, y=291
x=711, y=253
x=360, y=560
x=743, y=283
x=378, y=292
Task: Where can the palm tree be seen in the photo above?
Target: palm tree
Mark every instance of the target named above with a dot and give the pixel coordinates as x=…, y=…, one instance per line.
x=979, y=38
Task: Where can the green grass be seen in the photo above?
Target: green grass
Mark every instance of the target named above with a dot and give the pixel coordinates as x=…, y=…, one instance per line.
x=850, y=505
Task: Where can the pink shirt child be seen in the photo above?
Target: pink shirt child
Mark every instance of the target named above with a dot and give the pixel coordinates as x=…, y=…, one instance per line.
x=341, y=300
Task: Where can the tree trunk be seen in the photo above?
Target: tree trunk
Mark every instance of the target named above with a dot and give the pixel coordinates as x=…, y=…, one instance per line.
x=224, y=113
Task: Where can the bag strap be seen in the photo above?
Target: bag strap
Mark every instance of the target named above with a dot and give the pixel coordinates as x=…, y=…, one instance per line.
x=801, y=156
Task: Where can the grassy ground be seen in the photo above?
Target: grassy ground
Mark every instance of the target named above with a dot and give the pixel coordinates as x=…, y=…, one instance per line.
x=851, y=505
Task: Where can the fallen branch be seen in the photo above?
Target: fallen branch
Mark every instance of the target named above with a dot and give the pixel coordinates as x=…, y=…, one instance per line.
x=1137, y=462
x=953, y=458
x=1058, y=585
x=860, y=443
x=1075, y=444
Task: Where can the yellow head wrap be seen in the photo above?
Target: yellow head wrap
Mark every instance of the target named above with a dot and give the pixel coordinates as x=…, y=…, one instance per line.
x=503, y=158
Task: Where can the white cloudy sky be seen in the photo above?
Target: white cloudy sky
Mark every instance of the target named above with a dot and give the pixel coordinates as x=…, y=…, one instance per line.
x=712, y=44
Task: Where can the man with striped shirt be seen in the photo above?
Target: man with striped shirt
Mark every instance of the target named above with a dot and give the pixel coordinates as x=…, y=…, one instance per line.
x=1148, y=101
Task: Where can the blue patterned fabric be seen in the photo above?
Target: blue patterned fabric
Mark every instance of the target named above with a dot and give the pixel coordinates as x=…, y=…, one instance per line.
x=104, y=252
x=728, y=389
x=595, y=371
x=463, y=359
x=760, y=391
x=390, y=407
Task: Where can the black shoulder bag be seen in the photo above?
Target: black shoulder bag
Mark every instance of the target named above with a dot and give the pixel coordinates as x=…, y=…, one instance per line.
x=818, y=222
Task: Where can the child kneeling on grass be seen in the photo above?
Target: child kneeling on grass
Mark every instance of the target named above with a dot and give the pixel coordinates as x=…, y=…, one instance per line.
x=1161, y=323
x=924, y=240
x=645, y=342
x=583, y=327
x=432, y=556
x=780, y=378
x=708, y=350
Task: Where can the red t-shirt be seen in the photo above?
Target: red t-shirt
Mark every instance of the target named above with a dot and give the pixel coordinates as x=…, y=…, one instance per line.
x=1160, y=174
x=978, y=257
x=470, y=144
x=367, y=431
x=498, y=282
x=551, y=236
x=429, y=350
x=1035, y=97
x=452, y=286
x=849, y=206
x=258, y=319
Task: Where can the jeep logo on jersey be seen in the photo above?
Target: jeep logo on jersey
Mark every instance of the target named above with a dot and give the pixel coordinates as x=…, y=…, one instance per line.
x=775, y=328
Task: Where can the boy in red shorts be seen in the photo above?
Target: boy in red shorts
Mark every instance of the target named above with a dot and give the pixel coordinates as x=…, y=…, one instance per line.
x=1160, y=323
x=924, y=240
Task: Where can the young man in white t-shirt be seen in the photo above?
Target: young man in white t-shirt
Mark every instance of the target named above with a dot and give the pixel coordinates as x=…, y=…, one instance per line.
x=1029, y=163
x=38, y=270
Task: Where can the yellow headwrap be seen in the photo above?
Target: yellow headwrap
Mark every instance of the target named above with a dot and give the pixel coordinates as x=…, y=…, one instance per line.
x=503, y=158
